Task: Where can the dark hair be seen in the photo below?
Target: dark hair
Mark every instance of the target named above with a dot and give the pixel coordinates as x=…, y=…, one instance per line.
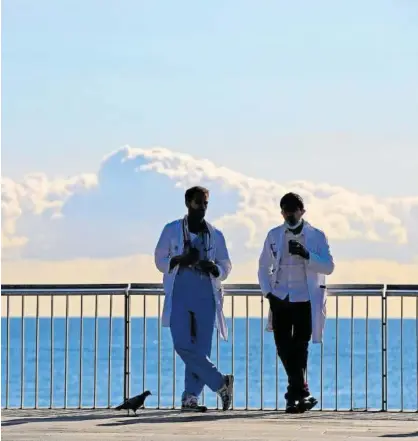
x=193, y=191
x=291, y=200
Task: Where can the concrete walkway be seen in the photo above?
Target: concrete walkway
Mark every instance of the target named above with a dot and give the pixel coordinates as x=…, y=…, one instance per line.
x=169, y=425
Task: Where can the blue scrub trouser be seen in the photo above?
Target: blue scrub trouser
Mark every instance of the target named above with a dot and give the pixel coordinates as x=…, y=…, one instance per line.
x=192, y=323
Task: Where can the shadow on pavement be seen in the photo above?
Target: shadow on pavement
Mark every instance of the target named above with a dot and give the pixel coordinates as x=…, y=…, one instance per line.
x=70, y=416
x=401, y=435
x=185, y=418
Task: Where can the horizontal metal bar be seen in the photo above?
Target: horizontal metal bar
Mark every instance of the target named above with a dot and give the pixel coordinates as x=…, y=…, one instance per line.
x=147, y=291
x=142, y=286
x=63, y=292
x=338, y=286
x=158, y=286
x=359, y=286
x=68, y=287
x=354, y=293
x=407, y=287
x=228, y=292
x=402, y=293
x=340, y=293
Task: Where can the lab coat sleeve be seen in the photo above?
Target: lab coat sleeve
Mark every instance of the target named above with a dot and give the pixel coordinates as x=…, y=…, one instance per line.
x=162, y=253
x=321, y=261
x=222, y=259
x=265, y=266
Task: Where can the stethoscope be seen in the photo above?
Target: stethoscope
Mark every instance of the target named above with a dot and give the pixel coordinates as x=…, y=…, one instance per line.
x=187, y=243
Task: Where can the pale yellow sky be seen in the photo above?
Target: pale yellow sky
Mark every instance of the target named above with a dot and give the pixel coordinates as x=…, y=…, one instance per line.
x=141, y=268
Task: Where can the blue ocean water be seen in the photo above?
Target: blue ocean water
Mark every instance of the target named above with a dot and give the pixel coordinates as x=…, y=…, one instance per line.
x=350, y=365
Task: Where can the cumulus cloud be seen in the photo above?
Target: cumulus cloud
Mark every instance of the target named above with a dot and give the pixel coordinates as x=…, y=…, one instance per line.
x=120, y=210
x=31, y=205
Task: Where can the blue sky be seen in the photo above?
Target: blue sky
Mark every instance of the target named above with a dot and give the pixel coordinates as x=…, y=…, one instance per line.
x=254, y=85
x=258, y=93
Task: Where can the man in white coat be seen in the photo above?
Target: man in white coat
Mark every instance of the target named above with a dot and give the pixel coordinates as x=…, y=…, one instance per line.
x=194, y=259
x=291, y=273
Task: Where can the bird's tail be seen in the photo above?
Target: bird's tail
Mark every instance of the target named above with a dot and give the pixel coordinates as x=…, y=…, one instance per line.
x=121, y=406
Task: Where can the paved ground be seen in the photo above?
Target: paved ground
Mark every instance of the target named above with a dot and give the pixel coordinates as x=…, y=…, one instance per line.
x=168, y=425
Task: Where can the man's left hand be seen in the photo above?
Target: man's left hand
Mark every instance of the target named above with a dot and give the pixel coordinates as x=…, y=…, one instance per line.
x=209, y=266
x=298, y=249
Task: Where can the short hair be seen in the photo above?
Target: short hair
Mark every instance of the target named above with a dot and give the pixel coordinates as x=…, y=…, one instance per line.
x=292, y=201
x=193, y=191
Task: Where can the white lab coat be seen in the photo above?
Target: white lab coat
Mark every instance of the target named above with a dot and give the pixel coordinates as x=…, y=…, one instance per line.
x=171, y=244
x=320, y=263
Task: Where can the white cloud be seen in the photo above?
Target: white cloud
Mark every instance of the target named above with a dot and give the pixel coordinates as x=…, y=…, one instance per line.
x=121, y=210
x=28, y=207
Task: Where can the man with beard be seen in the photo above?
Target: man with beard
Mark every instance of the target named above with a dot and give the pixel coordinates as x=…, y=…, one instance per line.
x=194, y=259
x=292, y=268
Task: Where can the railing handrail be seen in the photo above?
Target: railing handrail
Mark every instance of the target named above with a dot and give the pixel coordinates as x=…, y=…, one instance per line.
x=237, y=289
x=44, y=286
x=136, y=285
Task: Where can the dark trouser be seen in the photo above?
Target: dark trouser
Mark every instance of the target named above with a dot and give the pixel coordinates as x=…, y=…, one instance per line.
x=292, y=328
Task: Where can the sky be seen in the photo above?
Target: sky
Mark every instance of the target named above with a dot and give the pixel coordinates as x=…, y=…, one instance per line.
x=111, y=109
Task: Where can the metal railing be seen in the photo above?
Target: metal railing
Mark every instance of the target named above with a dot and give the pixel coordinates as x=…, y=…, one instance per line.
x=92, y=346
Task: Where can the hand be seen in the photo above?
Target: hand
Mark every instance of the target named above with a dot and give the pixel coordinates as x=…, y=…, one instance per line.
x=187, y=259
x=190, y=258
x=296, y=248
x=209, y=266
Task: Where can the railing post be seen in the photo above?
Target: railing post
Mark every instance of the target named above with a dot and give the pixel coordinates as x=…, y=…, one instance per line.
x=384, y=352
x=127, y=318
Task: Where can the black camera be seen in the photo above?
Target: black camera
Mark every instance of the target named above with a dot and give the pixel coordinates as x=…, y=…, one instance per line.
x=194, y=254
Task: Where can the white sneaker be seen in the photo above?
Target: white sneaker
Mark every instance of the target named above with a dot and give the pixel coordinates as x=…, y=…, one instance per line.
x=191, y=404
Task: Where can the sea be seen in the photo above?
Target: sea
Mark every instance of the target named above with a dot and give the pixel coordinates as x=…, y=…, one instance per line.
x=343, y=373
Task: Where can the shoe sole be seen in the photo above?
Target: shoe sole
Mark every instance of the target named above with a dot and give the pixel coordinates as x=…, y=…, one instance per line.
x=306, y=406
x=200, y=409
x=292, y=410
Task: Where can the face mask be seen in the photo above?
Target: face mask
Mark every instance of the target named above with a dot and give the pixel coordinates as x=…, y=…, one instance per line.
x=292, y=222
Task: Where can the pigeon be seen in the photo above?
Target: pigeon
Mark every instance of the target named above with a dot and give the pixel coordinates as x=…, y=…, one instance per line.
x=134, y=403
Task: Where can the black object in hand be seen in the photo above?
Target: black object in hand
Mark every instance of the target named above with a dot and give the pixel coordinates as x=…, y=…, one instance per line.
x=209, y=266
x=298, y=249
x=191, y=257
